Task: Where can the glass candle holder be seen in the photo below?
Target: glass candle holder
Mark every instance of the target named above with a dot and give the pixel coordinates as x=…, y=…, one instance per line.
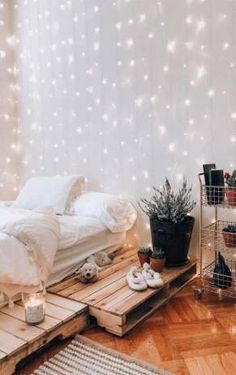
x=34, y=305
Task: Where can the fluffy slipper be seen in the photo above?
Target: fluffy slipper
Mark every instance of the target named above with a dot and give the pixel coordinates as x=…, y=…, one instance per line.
x=136, y=280
x=152, y=278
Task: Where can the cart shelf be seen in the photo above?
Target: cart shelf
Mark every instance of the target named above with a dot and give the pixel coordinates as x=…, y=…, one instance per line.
x=218, y=196
x=214, y=239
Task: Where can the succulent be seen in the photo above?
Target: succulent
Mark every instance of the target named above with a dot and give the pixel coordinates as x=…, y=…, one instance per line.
x=145, y=250
x=230, y=229
x=230, y=180
x=167, y=205
x=158, y=253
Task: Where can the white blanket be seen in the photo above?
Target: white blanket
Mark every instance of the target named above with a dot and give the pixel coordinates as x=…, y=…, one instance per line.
x=28, y=244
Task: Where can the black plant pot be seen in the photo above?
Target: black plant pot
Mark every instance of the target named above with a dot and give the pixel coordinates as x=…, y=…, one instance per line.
x=173, y=238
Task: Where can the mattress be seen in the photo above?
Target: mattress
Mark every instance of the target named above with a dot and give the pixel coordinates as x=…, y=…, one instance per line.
x=81, y=237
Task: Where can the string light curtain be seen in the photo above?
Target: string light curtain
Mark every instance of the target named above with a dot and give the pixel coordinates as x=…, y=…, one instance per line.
x=127, y=92
x=9, y=147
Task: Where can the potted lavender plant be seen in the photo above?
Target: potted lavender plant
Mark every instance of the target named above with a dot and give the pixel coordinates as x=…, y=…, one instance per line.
x=171, y=225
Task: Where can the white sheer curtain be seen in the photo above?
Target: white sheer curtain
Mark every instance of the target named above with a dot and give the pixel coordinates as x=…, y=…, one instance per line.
x=9, y=148
x=127, y=92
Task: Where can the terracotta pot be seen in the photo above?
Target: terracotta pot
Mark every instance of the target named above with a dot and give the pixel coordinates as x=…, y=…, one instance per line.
x=230, y=239
x=231, y=196
x=157, y=264
x=143, y=258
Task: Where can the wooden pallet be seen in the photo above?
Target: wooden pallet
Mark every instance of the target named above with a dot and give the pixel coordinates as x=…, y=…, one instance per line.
x=115, y=306
x=17, y=339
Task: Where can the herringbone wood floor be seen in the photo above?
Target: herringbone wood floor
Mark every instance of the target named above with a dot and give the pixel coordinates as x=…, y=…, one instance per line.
x=187, y=336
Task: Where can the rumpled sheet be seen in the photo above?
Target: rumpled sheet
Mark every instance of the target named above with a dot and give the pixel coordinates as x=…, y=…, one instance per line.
x=28, y=244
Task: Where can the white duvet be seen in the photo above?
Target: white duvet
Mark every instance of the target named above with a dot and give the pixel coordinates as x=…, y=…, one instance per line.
x=28, y=244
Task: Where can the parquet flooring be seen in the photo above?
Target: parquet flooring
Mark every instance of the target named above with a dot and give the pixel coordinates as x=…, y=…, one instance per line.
x=187, y=336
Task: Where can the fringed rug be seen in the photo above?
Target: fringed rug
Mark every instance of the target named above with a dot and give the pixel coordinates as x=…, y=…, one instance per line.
x=84, y=357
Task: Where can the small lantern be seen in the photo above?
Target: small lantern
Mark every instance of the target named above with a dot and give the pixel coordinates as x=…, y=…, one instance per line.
x=34, y=305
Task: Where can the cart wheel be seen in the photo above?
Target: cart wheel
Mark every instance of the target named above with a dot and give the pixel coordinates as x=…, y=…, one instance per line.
x=198, y=292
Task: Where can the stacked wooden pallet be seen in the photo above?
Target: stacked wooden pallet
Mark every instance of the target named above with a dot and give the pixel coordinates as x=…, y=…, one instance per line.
x=17, y=339
x=116, y=307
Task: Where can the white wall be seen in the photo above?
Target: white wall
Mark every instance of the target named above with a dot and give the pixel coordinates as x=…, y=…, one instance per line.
x=127, y=92
x=9, y=149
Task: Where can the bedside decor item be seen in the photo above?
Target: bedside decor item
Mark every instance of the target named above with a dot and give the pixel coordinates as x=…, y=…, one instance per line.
x=230, y=191
x=171, y=225
x=135, y=280
x=152, y=278
x=88, y=273
x=207, y=168
x=222, y=275
x=34, y=305
x=214, y=178
x=217, y=191
x=229, y=234
x=157, y=259
x=144, y=254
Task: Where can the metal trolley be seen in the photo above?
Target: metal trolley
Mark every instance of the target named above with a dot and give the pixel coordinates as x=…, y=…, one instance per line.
x=217, y=236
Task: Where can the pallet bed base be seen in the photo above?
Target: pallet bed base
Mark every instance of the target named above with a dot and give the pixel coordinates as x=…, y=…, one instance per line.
x=18, y=340
x=115, y=306
x=120, y=325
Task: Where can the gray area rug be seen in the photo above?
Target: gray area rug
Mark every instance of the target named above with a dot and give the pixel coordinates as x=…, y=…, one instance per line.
x=85, y=357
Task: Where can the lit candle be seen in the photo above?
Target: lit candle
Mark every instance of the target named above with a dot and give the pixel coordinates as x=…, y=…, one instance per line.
x=34, y=308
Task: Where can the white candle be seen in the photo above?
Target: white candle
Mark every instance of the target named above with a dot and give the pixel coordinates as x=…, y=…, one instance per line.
x=34, y=309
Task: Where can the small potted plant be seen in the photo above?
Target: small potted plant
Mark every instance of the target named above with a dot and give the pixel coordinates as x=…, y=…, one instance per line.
x=170, y=222
x=158, y=259
x=230, y=191
x=229, y=234
x=144, y=254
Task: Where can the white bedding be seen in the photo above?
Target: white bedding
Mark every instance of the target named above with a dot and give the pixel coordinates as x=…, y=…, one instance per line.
x=35, y=244
x=28, y=244
x=67, y=260
x=78, y=229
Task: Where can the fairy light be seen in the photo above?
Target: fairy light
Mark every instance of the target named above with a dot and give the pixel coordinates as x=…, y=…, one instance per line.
x=114, y=94
x=171, y=46
x=211, y=93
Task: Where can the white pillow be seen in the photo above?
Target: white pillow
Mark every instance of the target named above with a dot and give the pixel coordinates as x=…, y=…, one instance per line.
x=50, y=191
x=118, y=215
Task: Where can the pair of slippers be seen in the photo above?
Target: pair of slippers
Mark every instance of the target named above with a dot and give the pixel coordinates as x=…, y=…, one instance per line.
x=141, y=280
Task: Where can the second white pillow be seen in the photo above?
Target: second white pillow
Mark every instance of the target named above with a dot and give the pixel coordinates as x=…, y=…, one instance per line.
x=118, y=215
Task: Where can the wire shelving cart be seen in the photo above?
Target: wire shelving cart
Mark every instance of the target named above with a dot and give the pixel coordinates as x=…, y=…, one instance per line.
x=217, y=236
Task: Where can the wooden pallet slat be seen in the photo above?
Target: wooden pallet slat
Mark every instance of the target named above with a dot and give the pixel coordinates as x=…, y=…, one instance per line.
x=70, y=304
x=101, y=285
x=19, y=312
x=100, y=295
x=58, y=312
x=2, y=356
x=19, y=328
x=122, y=294
x=71, y=285
x=10, y=343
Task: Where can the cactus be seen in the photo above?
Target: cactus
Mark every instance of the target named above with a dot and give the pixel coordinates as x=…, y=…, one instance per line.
x=158, y=253
x=145, y=250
